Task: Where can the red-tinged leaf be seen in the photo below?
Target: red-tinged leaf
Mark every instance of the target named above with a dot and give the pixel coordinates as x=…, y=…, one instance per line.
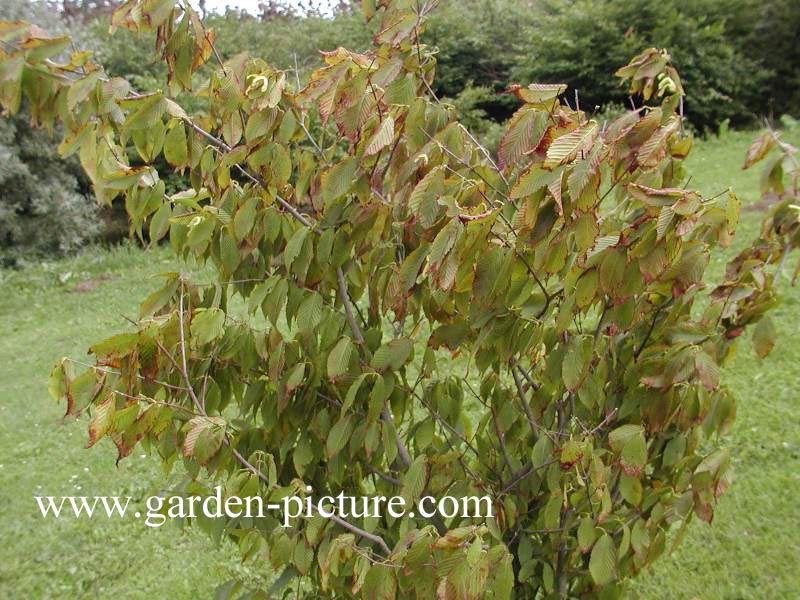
x=634, y=455
x=382, y=137
x=538, y=93
x=102, y=420
x=707, y=370
x=759, y=149
x=575, y=144
x=204, y=438
x=525, y=131
x=764, y=337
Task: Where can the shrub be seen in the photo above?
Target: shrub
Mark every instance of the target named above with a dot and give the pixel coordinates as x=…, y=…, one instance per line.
x=396, y=311
x=43, y=209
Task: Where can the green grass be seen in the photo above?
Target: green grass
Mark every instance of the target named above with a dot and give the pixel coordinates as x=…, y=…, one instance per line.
x=750, y=551
x=42, y=318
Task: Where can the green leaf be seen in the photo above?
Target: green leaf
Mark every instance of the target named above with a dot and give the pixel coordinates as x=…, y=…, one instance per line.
x=81, y=89
x=620, y=436
x=586, y=534
x=118, y=345
x=294, y=246
x=338, y=180
x=207, y=325
x=379, y=584
x=295, y=378
x=245, y=217
x=612, y=272
x=159, y=224
x=352, y=392
x=411, y=266
x=603, y=561
x=534, y=179
x=145, y=111
x=539, y=93
x=309, y=314
x=158, y=299
x=339, y=435
x=392, y=355
x=102, y=420
x=414, y=480
x=576, y=361
x=586, y=289
x=57, y=383
x=542, y=452
x=339, y=358
x=176, y=150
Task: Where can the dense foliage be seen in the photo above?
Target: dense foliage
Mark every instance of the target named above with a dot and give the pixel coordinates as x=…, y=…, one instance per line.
x=395, y=310
x=739, y=58
x=44, y=206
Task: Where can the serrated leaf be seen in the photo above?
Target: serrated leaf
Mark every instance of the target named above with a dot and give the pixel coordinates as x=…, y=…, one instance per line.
x=339, y=435
x=411, y=266
x=382, y=137
x=524, y=133
x=575, y=144
x=707, y=370
x=759, y=149
x=338, y=180
x=295, y=378
x=101, y=422
x=294, y=246
x=542, y=452
x=539, y=93
x=81, y=89
x=176, y=150
x=533, y=180
x=664, y=219
x=207, y=325
x=634, y=455
x=619, y=436
x=392, y=355
x=379, y=584
x=204, y=438
x=586, y=534
x=309, y=314
x=586, y=289
x=339, y=358
x=576, y=361
x=414, y=480
x=603, y=560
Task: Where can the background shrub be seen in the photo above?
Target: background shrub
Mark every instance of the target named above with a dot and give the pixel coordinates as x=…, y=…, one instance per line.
x=44, y=207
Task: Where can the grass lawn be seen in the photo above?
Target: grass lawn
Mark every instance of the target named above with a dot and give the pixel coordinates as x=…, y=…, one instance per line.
x=751, y=551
